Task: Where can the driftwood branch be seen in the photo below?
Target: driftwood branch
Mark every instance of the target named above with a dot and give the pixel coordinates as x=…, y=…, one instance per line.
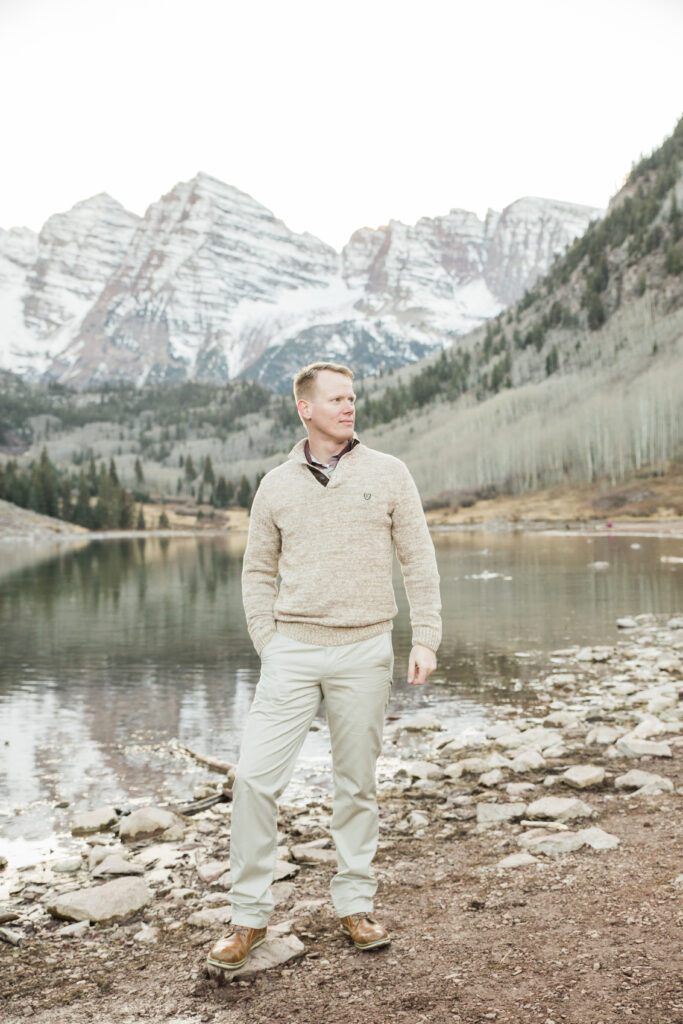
x=223, y=767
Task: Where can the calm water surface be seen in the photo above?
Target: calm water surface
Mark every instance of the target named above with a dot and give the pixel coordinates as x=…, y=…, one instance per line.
x=111, y=652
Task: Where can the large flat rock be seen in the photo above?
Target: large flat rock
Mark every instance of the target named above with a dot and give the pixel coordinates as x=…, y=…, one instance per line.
x=113, y=901
x=559, y=808
x=276, y=950
x=149, y=821
x=98, y=820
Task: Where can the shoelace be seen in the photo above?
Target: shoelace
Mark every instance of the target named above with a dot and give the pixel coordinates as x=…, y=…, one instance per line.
x=237, y=929
x=364, y=914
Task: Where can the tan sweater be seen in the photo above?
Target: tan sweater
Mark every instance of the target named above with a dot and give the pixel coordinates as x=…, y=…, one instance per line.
x=333, y=548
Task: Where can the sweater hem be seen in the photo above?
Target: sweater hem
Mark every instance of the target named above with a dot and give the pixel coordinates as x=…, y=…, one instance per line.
x=331, y=636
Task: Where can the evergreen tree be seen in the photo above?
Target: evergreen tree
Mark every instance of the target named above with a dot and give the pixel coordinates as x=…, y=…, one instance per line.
x=66, y=508
x=92, y=477
x=113, y=475
x=244, y=493
x=82, y=511
x=163, y=522
x=190, y=473
x=140, y=524
x=209, y=476
x=139, y=475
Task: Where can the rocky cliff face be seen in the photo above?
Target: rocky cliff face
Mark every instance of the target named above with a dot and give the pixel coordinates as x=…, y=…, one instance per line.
x=210, y=284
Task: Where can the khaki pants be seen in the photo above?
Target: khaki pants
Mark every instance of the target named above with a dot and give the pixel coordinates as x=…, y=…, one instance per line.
x=355, y=681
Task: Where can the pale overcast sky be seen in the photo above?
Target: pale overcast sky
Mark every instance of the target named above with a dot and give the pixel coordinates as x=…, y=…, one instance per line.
x=334, y=115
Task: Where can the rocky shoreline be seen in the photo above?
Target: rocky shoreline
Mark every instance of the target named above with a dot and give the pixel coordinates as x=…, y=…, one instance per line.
x=535, y=796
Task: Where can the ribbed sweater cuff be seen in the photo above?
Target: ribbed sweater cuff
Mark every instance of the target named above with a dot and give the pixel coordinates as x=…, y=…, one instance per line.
x=427, y=636
x=260, y=637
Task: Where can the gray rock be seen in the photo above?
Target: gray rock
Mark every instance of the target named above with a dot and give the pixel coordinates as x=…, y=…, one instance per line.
x=74, y=931
x=560, y=808
x=147, y=934
x=7, y=915
x=491, y=778
x=149, y=821
x=417, y=820
x=94, y=821
x=519, y=788
x=526, y=761
x=418, y=770
x=101, y=852
x=631, y=746
x=473, y=765
x=627, y=622
x=211, y=870
x=210, y=917
x=561, y=680
x=112, y=901
x=564, y=719
x=282, y=891
x=422, y=721
x=583, y=775
x=116, y=865
x=517, y=860
x=11, y=937
x=675, y=623
x=67, y=866
x=491, y=814
x=276, y=950
x=603, y=735
x=554, y=844
x=3, y=863
x=308, y=854
x=635, y=779
x=285, y=869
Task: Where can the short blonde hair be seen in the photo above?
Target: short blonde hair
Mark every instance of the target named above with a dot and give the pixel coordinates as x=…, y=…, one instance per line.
x=304, y=382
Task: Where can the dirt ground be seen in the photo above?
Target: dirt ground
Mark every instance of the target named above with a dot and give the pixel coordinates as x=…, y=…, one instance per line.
x=585, y=938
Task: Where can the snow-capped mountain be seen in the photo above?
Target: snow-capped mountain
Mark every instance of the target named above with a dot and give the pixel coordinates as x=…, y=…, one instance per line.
x=210, y=284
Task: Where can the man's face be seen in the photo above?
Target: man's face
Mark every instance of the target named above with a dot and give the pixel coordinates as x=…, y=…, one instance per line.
x=331, y=411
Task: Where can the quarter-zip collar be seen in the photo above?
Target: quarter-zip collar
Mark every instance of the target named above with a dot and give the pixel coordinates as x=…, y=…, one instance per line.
x=298, y=454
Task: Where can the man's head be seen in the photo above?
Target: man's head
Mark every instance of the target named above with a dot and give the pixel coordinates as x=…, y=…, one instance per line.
x=325, y=401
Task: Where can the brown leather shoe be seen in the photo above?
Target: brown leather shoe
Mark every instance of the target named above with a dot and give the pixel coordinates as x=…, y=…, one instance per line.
x=233, y=948
x=365, y=931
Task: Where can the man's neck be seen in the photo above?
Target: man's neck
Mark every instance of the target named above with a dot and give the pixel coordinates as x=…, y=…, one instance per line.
x=322, y=450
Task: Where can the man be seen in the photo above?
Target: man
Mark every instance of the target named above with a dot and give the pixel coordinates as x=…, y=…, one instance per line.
x=328, y=521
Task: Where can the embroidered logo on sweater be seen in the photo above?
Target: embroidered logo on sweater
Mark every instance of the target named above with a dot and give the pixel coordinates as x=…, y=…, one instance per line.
x=367, y=495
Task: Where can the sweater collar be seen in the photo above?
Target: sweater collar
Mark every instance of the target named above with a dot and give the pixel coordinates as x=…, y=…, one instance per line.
x=298, y=452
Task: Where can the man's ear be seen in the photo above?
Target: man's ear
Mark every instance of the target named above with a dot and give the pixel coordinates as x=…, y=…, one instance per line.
x=303, y=409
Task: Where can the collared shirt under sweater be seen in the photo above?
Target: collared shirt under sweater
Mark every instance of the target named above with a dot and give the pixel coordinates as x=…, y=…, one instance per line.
x=333, y=549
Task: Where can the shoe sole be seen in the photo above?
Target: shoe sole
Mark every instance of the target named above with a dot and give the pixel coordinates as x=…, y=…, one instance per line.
x=368, y=945
x=233, y=967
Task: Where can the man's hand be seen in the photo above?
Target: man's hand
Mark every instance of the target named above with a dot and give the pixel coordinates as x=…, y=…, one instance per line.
x=421, y=664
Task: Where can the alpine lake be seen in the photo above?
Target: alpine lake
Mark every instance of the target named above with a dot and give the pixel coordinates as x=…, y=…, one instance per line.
x=114, y=652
